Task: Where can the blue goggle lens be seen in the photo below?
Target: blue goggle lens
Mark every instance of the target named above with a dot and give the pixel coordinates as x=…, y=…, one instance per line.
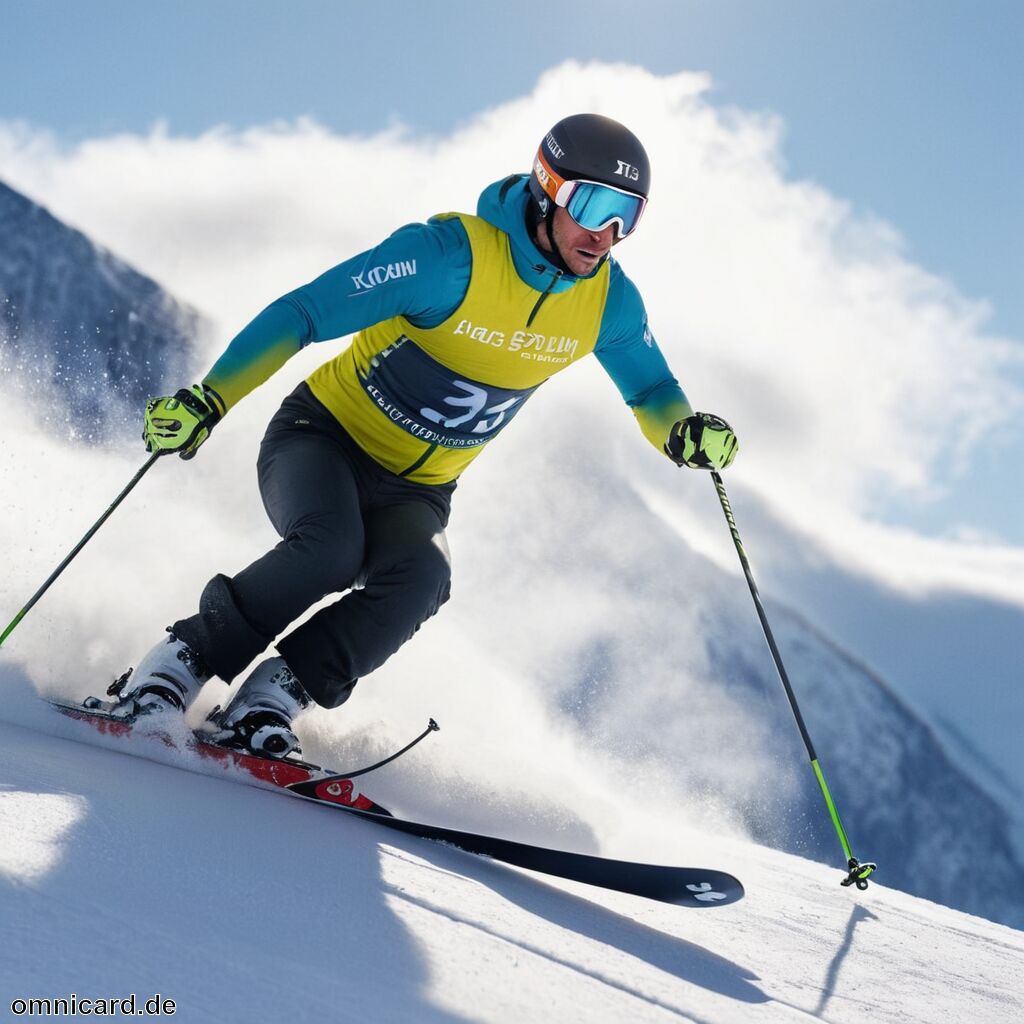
x=595, y=206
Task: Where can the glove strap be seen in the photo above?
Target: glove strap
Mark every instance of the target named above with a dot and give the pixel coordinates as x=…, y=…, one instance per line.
x=208, y=409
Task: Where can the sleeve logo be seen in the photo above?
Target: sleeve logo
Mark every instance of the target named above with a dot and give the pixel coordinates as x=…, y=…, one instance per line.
x=369, y=279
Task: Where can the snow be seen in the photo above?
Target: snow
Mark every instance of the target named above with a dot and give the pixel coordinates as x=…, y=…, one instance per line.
x=119, y=875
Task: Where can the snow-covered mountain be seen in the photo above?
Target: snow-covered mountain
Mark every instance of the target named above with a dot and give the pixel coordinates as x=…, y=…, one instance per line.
x=664, y=666
x=72, y=314
x=120, y=877
x=603, y=685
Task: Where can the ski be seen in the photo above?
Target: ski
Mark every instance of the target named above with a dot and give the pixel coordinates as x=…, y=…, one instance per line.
x=282, y=772
x=684, y=887
x=680, y=886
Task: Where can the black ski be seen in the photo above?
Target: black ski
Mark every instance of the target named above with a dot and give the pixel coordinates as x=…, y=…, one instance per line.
x=684, y=887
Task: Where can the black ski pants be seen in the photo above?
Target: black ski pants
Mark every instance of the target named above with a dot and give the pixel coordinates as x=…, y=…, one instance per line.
x=344, y=520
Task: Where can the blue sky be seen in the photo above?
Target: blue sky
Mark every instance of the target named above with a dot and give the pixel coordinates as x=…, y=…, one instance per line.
x=911, y=110
x=907, y=110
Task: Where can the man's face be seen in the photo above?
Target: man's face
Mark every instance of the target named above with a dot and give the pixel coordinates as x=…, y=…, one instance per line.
x=580, y=248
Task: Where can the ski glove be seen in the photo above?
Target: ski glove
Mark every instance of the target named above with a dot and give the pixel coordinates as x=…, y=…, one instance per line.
x=702, y=441
x=182, y=422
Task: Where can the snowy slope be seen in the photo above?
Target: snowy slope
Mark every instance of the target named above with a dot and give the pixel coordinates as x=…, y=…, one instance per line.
x=121, y=876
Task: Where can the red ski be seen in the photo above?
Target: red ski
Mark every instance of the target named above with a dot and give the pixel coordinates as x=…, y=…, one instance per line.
x=283, y=772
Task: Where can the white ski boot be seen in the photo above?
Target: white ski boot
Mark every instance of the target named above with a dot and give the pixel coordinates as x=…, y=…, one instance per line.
x=258, y=719
x=168, y=678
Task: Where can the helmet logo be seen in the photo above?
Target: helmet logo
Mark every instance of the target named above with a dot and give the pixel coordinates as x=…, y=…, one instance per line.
x=553, y=147
x=542, y=174
x=627, y=170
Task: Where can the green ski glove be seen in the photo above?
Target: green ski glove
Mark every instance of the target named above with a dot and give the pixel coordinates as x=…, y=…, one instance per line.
x=182, y=422
x=702, y=441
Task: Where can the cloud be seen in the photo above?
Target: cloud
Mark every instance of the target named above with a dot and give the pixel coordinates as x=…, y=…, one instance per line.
x=853, y=376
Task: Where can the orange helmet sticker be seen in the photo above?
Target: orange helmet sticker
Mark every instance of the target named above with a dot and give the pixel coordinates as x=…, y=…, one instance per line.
x=551, y=181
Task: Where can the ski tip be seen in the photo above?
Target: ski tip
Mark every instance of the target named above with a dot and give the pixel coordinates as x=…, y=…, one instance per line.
x=715, y=890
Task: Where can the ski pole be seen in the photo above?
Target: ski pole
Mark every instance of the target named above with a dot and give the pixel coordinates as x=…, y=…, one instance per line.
x=78, y=547
x=335, y=784
x=858, y=872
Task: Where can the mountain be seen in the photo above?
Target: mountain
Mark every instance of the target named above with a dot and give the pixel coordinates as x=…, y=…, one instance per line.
x=78, y=323
x=655, y=659
x=601, y=672
x=120, y=877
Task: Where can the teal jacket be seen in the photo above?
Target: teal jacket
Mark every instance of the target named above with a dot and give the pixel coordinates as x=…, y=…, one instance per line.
x=422, y=272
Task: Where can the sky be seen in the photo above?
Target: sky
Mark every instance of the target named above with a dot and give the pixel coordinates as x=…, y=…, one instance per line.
x=887, y=130
x=908, y=110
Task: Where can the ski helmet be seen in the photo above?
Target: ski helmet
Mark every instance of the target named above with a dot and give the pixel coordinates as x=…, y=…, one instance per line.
x=594, y=167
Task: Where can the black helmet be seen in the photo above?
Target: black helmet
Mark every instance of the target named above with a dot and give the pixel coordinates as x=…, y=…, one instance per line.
x=590, y=148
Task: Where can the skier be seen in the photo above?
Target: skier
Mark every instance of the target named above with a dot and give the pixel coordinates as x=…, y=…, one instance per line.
x=459, y=321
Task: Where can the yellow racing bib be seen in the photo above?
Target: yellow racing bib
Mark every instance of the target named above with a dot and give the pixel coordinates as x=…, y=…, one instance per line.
x=423, y=402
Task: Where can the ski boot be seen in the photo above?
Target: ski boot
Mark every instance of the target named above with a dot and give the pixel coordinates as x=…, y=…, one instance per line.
x=258, y=719
x=168, y=678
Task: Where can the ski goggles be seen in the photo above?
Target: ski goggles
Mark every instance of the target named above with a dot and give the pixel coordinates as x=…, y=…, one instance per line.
x=591, y=204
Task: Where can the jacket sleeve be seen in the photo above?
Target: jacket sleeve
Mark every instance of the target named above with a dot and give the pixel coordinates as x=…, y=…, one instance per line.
x=421, y=271
x=630, y=356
